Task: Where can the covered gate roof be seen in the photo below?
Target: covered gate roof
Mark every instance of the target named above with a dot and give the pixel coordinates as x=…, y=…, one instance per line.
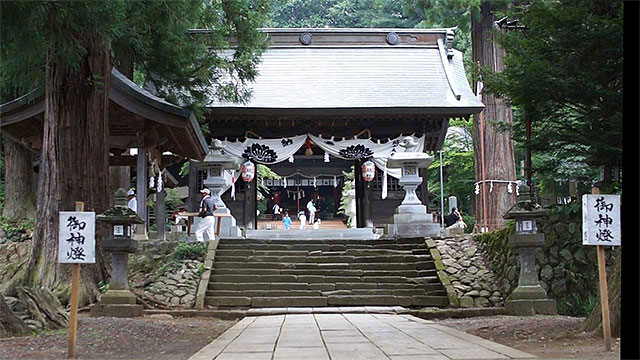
x=342, y=81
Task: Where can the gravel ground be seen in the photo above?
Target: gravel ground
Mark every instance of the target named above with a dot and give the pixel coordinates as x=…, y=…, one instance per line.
x=548, y=337
x=151, y=337
x=163, y=337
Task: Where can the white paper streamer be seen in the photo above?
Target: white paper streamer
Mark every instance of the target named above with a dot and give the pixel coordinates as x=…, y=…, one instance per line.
x=326, y=157
x=335, y=182
x=151, y=182
x=384, y=184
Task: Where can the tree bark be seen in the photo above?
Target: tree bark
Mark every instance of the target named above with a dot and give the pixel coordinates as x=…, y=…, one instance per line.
x=119, y=177
x=74, y=164
x=19, y=194
x=499, y=156
x=10, y=324
x=594, y=321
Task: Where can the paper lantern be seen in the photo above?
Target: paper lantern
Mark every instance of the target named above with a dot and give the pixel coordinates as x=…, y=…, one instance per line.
x=368, y=171
x=248, y=171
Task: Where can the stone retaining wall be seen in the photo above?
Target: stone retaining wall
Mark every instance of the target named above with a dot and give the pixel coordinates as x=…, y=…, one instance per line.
x=179, y=286
x=474, y=283
x=567, y=270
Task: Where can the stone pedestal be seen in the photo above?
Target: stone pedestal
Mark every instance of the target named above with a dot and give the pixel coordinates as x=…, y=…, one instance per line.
x=216, y=163
x=119, y=301
x=411, y=218
x=529, y=298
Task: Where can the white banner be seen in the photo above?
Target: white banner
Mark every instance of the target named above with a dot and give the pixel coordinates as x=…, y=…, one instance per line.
x=601, y=220
x=77, y=237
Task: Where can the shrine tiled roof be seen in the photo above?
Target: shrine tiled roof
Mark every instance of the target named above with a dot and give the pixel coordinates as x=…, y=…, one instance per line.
x=361, y=68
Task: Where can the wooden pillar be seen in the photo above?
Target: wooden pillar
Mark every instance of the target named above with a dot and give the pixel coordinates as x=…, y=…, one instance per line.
x=363, y=203
x=142, y=174
x=119, y=177
x=192, y=200
x=424, y=189
x=359, y=192
x=254, y=204
x=160, y=213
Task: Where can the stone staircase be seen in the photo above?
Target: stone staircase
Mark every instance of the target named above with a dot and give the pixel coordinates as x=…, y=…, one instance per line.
x=314, y=273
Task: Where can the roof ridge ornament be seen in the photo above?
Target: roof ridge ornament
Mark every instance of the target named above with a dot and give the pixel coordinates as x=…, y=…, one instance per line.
x=451, y=34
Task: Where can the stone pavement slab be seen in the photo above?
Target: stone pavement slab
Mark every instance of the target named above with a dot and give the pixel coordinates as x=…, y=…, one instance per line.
x=371, y=336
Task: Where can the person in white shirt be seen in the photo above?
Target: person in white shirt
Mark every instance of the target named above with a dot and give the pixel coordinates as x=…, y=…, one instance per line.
x=276, y=211
x=303, y=220
x=312, y=211
x=132, y=204
x=207, y=207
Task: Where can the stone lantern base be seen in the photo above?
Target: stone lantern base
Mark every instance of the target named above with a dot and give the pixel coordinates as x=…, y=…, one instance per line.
x=117, y=303
x=530, y=300
x=531, y=307
x=412, y=221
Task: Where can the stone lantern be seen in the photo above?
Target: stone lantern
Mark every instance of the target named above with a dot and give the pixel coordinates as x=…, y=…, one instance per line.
x=529, y=297
x=411, y=218
x=215, y=163
x=119, y=301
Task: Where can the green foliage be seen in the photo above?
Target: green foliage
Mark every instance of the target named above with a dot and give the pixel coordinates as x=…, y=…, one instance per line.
x=567, y=72
x=16, y=227
x=457, y=168
x=184, y=67
x=186, y=251
x=264, y=172
x=341, y=13
x=470, y=221
x=344, y=199
x=184, y=169
x=577, y=305
x=103, y=287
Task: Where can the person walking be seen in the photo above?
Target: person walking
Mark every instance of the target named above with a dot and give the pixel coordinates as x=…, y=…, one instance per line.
x=286, y=221
x=207, y=207
x=276, y=211
x=133, y=205
x=311, y=206
x=303, y=220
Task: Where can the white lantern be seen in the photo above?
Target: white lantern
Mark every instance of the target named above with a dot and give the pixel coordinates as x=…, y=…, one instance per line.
x=368, y=171
x=248, y=171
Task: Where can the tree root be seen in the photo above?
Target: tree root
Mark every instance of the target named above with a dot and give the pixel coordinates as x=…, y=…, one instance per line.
x=145, y=299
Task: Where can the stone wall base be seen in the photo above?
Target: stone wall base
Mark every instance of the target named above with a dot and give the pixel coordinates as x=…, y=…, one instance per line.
x=530, y=307
x=116, y=310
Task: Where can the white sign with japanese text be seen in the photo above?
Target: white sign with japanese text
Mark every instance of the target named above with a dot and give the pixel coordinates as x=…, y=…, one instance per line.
x=77, y=237
x=601, y=220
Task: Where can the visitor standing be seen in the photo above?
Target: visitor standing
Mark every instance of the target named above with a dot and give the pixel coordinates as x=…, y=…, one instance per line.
x=311, y=206
x=276, y=211
x=207, y=207
x=303, y=220
x=286, y=221
x=133, y=205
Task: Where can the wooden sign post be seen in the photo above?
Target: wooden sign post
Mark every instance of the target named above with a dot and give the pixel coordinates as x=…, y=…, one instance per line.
x=76, y=246
x=601, y=227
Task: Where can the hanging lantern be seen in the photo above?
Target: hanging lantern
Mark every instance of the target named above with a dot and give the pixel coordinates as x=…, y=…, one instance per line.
x=248, y=171
x=368, y=170
x=308, y=151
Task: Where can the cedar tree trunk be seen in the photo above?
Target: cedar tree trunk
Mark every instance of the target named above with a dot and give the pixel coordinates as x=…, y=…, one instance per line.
x=74, y=164
x=498, y=146
x=10, y=324
x=19, y=195
x=594, y=321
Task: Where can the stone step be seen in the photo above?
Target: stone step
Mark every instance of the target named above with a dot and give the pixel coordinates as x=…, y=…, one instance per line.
x=331, y=300
x=231, y=286
x=288, y=293
x=263, y=286
x=291, y=301
x=423, y=265
x=324, y=271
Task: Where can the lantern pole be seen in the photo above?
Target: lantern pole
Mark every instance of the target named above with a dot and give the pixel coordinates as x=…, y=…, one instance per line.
x=441, y=194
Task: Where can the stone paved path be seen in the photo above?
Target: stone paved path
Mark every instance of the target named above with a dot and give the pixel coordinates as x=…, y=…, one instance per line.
x=349, y=337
